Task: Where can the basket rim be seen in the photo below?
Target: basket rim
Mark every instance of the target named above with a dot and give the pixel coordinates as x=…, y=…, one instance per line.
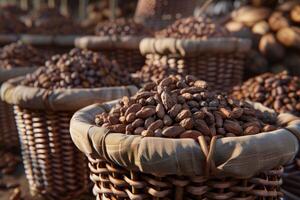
x=194, y=47
x=91, y=139
x=108, y=42
x=61, y=99
x=6, y=74
x=43, y=39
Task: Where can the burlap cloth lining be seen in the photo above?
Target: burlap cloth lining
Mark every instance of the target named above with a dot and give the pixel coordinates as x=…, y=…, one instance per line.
x=59, y=99
x=240, y=157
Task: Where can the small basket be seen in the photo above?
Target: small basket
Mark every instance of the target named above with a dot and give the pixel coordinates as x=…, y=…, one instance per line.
x=53, y=166
x=135, y=167
x=125, y=50
x=157, y=14
x=8, y=133
x=219, y=61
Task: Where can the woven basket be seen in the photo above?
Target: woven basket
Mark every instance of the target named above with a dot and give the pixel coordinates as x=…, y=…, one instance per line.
x=53, y=166
x=218, y=61
x=125, y=50
x=133, y=167
x=157, y=14
x=8, y=130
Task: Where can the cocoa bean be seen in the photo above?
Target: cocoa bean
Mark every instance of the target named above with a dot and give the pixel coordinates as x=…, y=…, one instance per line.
x=173, y=131
x=233, y=127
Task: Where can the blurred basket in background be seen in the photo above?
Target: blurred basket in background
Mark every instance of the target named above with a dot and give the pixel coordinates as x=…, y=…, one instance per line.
x=53, y=165
x=219, y=61
x=157, y=14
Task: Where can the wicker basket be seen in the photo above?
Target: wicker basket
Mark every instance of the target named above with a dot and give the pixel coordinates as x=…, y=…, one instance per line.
x=291, y=178
x=53, y=166
x=133, y=167
x=218, y=61
x=125, y=50
x=157, y=14
x=8, y=130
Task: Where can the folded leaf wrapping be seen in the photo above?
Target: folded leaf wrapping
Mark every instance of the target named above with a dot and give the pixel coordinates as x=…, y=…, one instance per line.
x=240, y=157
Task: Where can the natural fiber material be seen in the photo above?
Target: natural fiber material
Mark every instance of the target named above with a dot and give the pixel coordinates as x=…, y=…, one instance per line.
x=53, y=165
x=125, y=49
x=112, y=155
x=8, y=132
x=49, y=40
x=59, y=99
x=219, y=61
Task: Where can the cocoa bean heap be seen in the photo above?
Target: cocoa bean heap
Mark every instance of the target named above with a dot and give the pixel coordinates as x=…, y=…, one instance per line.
x=182, y=108
x=21, y=55
x=78, y=69
x=121, y=27
x=193, y=28
x=278, y=91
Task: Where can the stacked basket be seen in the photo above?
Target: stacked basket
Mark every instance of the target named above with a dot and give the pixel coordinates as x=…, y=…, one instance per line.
x=186, y=163
x=157, y=14
x=118, y=40
x=197, y=46
x=16, y=60
x=44, y=103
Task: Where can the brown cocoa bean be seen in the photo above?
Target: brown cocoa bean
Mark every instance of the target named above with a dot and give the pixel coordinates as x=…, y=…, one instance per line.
x=160, y=111
x=183, y=114
x=158, y=124
x=167, y=100
x=187, y=123
x=173, y=131
x=201, y=126
x=233, y=127
x=193, y=134
x=251, y=130
x=145, y=113
x=137, y=123
x=167, y=120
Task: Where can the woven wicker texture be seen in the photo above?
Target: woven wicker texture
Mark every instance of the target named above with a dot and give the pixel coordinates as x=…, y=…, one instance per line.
x=132, y=60
x=221, y=71
x=8, y=132
x=53, y=165
x=158, y=14
x=125, y=50
x=112, y=182
x=291, y=178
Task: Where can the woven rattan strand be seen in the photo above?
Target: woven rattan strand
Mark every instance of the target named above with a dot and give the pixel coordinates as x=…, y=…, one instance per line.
x=8, y=131
x=53, y=165
x=113, y=182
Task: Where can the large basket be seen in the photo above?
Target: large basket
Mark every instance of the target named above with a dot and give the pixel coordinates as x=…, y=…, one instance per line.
x=8, y=130
x=125, y=50
x=54, y=167
x=133, y=167
x=219, y=61
x=158, y=14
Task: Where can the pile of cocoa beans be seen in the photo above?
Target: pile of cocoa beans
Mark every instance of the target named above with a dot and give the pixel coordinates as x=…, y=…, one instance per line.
x=50, y=21
x=21, y=55
x=275, y=36
x=155, y=69
x=78, y=69
x=278, y=91
x=100, y=11
x=193, y=28
x=180, y=107
x=121, y=27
